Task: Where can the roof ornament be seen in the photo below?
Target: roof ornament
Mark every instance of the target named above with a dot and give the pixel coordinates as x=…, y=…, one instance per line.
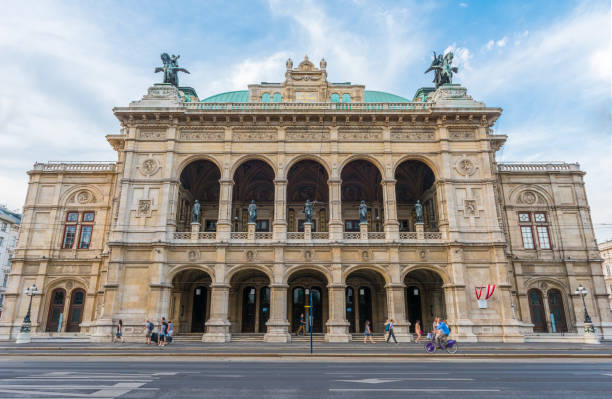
x=289, y=64
x=170, y=69
x=323, y=64
x=441, y=65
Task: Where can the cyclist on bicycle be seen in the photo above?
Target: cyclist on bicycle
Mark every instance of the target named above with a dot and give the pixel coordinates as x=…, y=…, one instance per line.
x=442, y=332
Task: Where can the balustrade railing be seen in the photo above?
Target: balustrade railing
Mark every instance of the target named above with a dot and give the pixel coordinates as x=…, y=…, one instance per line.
x=239, y=235
x=408, y=235
x=295, y=235
x=181, y=235
x=67, y=166
x=263, y=235
x=537, y=167
x=433, y=235
x=362, y=107
x=209, y=235
x=320, y=235
x=352, y=235
x=376, y=235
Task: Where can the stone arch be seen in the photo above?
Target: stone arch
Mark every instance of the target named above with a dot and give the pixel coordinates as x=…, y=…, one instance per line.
x=251, y=157
x=77, y=283
x=173, y=272
x=416, y=157
x=363, y=157
x=516, y=194
x=297, y=268
x=535, y=282
x=98, y=195
x=434, y=268
x=239, y=268
x=176, y=172
x=305, y=157
x=374, y=268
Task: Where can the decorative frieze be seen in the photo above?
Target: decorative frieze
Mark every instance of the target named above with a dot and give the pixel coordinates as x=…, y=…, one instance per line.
x=359, y=134
x=152, y=134
x=461, y=134
x=304, y=133
x=405, y=134
x=254, y=134
x=203, y=134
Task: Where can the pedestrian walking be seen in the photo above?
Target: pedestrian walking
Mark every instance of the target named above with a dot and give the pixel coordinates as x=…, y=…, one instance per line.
x=387, y=328
x=119, y=334
x=302, y=326
x=391, y=334
x=367, y=333
x=418, y=330
x=170, y=332
x=148, y=331
x=163, y=330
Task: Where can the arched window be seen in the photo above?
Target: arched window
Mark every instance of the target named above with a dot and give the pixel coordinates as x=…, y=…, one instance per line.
x=265, y=98
x=335, y=98
x=278, y=98
x=346, y=98
x=536, y=306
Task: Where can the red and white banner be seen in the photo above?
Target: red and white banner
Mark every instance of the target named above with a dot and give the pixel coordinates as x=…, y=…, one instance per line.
x=482, y=302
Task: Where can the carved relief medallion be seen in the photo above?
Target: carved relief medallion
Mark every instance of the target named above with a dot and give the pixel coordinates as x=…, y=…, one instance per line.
x=149, y=167
x=308, y=254
x=144, y=208
x=84, y=197
x=465, y=167
x=250, y=255
x=528, y=197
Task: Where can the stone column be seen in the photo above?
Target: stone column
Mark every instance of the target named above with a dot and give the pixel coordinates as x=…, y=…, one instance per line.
x=337, y=325
x=307, y=231
x=217, y=325
x=277, y=325
x=195, y=229
x=363, y=231
x=391, y=224
x=420, y=230
x=396, y=309
x=279, y=225
x=251, y=231
x=224, y=222
x=335, y=210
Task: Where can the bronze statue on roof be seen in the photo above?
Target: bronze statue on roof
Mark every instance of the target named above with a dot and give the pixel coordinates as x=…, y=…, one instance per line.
x=441, y=65
x=170, y=69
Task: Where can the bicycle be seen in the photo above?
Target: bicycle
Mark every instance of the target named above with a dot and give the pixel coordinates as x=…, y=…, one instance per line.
x=450, y=345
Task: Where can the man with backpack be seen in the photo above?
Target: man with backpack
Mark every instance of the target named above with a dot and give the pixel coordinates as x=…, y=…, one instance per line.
x=389, y=330
x=148, y=330
x=442, y=332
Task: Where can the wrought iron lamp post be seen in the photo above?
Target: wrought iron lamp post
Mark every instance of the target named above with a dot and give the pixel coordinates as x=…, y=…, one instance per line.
x=582, y=292
x=24, y=333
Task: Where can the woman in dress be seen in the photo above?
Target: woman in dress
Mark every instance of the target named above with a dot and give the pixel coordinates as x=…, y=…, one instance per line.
x=418, y=330
x=367, y=333
x=119, y=334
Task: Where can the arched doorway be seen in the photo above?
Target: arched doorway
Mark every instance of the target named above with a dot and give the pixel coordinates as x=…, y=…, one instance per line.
x=307, y=180
x=253, y=181
x=424, y=298
x=415, y=181
x=361, y=181
x=536, y=308
x=190, y=299
x=368, y=302
x=199, y=181
x=301, y=284
x=249, y=301
x=555, y=306
x=56, y=309
x=75, y=314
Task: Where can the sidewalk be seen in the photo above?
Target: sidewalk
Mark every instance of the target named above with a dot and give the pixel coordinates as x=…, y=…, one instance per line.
x=260, y=349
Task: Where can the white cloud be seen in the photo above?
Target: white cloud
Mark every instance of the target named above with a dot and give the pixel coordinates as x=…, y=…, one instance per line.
x=463, y=5
x=502, y=42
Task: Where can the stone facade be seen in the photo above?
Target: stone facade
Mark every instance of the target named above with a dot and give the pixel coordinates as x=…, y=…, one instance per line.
x=222, y=275
x=9, y=230
x=605, y=250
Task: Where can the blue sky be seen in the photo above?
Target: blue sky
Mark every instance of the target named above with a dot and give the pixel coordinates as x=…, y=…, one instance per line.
x=548, y=64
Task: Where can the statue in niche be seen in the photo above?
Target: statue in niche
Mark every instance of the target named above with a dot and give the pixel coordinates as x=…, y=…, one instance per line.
x=308, y=211
x=363, y=212
x=418, y=208
x=441, y=65
x=170, y=69
x=195, y=212
x=252, y=212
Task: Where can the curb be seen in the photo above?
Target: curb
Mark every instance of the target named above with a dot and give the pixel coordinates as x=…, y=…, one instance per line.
x=336, y=355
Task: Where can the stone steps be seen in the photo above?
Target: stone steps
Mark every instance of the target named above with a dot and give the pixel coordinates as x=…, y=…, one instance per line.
x=60, y=338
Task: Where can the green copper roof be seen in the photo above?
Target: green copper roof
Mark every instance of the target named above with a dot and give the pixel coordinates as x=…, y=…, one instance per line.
x=242, y=96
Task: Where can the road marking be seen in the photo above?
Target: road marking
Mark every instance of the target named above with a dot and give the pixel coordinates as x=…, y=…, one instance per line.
x=369, y=373
x=410, y=390
x=380, y=380
x=373, y=380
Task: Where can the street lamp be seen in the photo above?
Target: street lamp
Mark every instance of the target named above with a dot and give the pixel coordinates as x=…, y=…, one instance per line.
x=582, y=292
x=24, y=333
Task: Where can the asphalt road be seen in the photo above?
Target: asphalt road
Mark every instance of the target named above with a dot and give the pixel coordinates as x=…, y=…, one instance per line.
x=160, y=378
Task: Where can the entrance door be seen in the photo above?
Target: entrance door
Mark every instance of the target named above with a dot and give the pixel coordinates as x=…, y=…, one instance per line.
x=249, y=300
x=264, y=308
x=317, y=309
x=555, y=304
x=56, y=308
x=198, y=314
x=365, y=307
x=350, y=308
x=298, y=307
x=75, y=315
x=413, y=297
x=536, y=306
x=301, y=298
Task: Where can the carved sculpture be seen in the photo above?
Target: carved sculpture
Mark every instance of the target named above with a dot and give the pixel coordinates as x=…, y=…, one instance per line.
x=252, y=212
x=195, y=213
x=170, y=69
x=308, y=211
x=418, y=208
x=443, y=71
x=363, y=212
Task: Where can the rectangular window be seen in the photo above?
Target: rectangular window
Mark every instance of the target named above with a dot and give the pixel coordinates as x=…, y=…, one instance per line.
x=539, y=217
x=88, y=216
x=301, y=225
x=1, y=241
x=69, y=234
x=262, y=225
x=543, y=237
x=351, y=225
x=404, y=225
x=527, y=234
x=4, y=226
x=85, y=238
x=72, y=217
x=210, y=225
x=524, y=217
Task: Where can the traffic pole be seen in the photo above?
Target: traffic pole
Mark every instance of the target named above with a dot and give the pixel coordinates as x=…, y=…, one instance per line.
x=311, y=312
